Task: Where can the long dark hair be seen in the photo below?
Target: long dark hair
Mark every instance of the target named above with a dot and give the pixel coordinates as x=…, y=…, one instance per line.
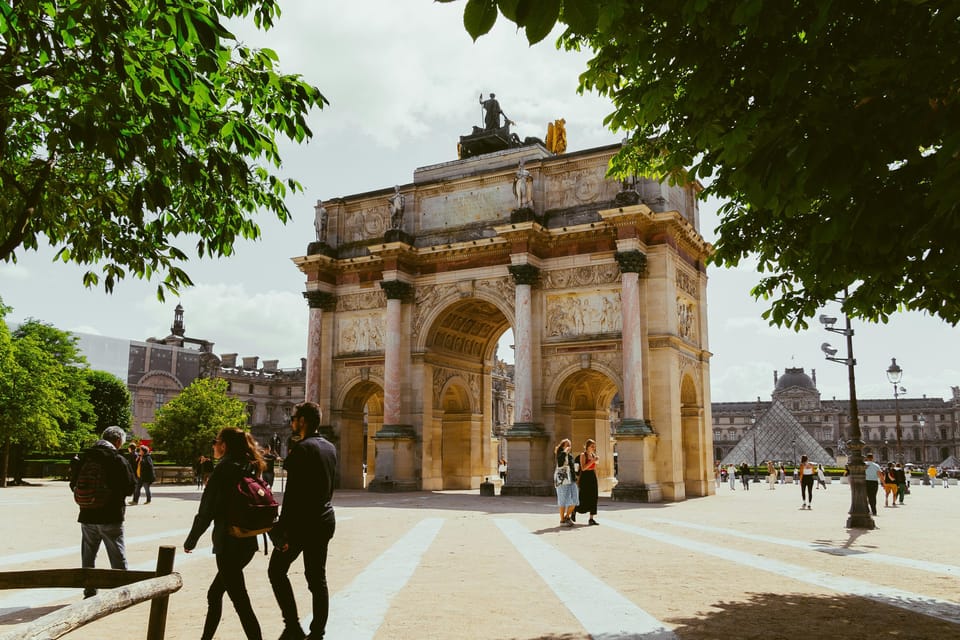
x=241, y=445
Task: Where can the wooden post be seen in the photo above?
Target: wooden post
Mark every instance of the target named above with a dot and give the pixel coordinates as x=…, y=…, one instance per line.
x=157, y=625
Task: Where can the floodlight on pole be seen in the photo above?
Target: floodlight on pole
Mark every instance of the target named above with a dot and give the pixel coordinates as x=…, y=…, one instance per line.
x=860, y=517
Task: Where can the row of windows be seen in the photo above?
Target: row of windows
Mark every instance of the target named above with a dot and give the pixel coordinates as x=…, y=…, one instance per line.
x=827, y=418
x=250, y=389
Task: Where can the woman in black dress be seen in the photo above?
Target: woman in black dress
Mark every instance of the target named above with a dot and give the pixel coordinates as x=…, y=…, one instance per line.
x=589, y=490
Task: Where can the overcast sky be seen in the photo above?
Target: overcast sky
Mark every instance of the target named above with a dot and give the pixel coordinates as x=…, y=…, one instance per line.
x=403, y=80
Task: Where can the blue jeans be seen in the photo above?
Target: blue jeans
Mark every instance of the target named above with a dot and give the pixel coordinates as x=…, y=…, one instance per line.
x=112, y=537
x=144, y=486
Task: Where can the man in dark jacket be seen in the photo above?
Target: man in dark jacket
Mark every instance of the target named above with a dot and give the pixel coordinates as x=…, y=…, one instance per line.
x=306, y=522
x=104, y=523
x=145, y=474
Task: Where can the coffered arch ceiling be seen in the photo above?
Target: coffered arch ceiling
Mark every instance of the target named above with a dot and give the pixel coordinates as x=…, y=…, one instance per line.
x=468, y=328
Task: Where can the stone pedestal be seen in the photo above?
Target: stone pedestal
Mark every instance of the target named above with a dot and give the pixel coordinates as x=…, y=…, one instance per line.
x=529, y=474
x=395, y=457
x=636, y=446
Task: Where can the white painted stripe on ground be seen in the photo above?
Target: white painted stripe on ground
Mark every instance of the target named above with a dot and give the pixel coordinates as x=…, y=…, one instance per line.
x=869, y=556
x=606, y=614
x=357, y=611
x=44, y=554
x=914, y=602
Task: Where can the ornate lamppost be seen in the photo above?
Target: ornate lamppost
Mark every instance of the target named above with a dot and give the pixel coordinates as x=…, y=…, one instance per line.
x=894, y=375
x=860, y=517
x=923, y=441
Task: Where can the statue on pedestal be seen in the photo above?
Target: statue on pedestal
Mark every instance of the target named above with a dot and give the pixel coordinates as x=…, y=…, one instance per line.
x=492, y=113
x=397, y=202
x=320, y=223
x=523, y=187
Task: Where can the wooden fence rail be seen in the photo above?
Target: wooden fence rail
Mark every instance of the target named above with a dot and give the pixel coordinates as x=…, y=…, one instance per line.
x=126, y=588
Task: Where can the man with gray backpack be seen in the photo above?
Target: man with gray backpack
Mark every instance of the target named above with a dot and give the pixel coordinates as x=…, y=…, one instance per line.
x=101, y=480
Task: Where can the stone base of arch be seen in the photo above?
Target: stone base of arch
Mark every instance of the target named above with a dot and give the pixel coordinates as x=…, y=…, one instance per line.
x=395, y=454
x=528, y=474
x=636, y=466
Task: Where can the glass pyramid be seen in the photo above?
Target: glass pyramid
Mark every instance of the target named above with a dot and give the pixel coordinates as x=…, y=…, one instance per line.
x=778, y=437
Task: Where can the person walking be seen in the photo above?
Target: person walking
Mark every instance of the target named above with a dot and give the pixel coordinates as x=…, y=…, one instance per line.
x=588, y=486
x=873, y=472
x=806, y=471
x=502, y=470
x=146, y=474
x=732, y=476
x=307, y=522
x=932, y=475
x=717, y=476
x=901, y=476
x=945, y=477
x=771, y=475
x=270, y=470
x=238, y=454
x=745, y=476
x=568, y=493
x=101, y=490
x=821, y=478
x=889, y=485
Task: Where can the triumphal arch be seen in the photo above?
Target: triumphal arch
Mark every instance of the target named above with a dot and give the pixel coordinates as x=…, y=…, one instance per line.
x=602, y=282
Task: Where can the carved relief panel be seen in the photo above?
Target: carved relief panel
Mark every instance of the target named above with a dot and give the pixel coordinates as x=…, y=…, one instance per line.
x=365, y=224
x=687, y=319
x=360, y=333
x=573, y=314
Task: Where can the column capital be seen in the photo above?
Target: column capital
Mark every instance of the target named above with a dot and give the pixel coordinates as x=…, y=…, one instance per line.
x=397, y=290
x=321, y=300
x=524, y=273
x=631, y=261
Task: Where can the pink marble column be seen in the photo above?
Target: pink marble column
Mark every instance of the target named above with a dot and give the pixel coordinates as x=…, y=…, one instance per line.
x=396, y=292
x=632, y=264
x=391, y=364
x=524, y=276
x=318, y=301
x=632, y=351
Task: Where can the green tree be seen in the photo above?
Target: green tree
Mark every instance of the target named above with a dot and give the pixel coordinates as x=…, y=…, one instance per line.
x=31, y=395
x=124, y=126
x=831, y=130
x=76, y=418
x=110, y=399
x=186, y=425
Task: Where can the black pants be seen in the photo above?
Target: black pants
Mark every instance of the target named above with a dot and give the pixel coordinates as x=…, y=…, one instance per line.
x=229, y=579
x=872, y=486
x=806, y=488
x=314, y=550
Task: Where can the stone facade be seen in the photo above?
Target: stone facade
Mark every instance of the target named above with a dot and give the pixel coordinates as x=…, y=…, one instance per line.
x=602, y=283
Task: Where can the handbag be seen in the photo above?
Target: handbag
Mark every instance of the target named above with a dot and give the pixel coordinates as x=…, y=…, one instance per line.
x=561, y=475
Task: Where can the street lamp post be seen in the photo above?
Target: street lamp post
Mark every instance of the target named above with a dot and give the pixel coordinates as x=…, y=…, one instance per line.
x=859, y=513
x=894, y=375
x=923, y=439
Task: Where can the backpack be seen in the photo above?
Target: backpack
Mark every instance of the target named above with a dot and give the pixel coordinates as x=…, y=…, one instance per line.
x=252, y=509
x=91, y=490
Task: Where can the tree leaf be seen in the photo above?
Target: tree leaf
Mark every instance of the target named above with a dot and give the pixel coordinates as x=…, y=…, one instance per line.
x=540, y=23
x=479, y=17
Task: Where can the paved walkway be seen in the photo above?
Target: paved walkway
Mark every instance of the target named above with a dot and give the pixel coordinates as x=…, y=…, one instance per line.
x=741, y=564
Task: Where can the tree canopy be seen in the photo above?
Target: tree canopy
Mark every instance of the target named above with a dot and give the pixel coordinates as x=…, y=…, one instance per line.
x=830, y=130
x=185, y=426
x=110, y=399
x=125, y=126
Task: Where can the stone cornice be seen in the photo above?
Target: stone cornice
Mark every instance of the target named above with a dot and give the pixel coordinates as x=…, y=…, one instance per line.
x=631, y=261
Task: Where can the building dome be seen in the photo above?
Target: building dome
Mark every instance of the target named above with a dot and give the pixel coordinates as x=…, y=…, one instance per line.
x=795, y=377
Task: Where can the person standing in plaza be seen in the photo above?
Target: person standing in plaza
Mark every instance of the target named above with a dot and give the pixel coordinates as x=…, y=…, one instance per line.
x=932, y=474
x=270, y=471
x=821, y=478
x=771, y=475
x=238, y=454
x=745, y=476
x=806, y=471
x=873, y=472
x=146, y=474
x=307, y=522
x=568, y=493
x=901, y=476
x=732, y=476
x=101, y=490
x=889, y=485
x=589, y=488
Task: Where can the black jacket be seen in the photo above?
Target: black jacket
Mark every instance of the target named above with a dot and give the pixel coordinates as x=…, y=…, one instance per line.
x=147, y=472
x=120, y=480
x=214, y=504
x=307, y=506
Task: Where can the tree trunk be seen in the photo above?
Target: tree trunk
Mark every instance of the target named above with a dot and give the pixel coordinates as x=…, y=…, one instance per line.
x=4, y=463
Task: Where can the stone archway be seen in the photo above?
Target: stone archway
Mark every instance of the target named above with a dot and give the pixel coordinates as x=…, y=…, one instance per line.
x=361, y=417
x=693, y=447
x=582, y=411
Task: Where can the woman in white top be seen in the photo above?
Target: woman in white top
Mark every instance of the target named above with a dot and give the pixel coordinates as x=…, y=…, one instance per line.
x=806, y=470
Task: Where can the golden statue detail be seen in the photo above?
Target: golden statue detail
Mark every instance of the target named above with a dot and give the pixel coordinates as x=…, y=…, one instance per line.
x=557, y=136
